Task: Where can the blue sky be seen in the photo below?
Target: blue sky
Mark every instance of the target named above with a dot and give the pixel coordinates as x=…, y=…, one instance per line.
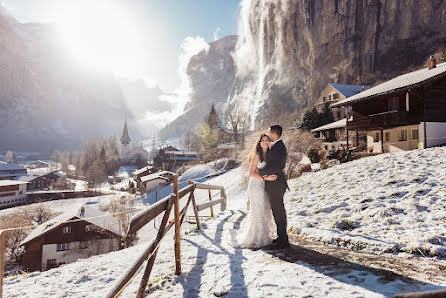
x=163, y=25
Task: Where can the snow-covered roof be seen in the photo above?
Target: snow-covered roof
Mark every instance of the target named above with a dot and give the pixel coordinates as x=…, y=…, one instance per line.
x=336, y=124
x=404, y=81
x=2, y=162
x=349, y=90
x=11, y=167
x=90, y=214
x=142, y=170
x=11, y=182
x=181, y=152
x=156, y=175
x=29, y=178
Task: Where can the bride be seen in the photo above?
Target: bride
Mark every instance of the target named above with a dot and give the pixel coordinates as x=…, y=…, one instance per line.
x=258, y=228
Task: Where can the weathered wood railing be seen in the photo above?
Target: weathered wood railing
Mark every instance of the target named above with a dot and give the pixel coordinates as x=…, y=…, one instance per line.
x=165, y=205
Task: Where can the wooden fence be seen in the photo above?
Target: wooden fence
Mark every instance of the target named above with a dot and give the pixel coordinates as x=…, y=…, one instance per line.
x=165, y=206
x=144, y=217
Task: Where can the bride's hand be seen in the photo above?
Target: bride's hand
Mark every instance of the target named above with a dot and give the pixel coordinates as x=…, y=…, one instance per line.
x=271, y=178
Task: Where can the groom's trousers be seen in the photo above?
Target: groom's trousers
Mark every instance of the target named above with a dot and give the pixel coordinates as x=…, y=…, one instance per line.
x=276, y=200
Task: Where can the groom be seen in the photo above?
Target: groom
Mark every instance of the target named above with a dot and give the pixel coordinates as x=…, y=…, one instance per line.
x=275, y=163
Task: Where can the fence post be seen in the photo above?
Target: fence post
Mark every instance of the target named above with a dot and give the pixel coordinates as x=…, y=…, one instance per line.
x=177, y=226
x=2, y=259
x=223, y=204
x=210, y=199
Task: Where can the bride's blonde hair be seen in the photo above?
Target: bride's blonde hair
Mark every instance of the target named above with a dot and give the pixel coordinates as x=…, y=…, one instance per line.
x=256, y=149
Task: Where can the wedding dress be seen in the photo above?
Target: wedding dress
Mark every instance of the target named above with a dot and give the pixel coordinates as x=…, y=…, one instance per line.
x=258, y=228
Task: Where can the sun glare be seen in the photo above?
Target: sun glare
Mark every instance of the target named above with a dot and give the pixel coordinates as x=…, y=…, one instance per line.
x=102, y=35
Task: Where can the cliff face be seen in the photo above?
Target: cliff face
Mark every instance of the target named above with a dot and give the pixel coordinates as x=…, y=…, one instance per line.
x=289, y=50
x=211, y=75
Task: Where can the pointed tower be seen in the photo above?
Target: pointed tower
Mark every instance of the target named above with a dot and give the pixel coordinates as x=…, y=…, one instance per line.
x=125, y=139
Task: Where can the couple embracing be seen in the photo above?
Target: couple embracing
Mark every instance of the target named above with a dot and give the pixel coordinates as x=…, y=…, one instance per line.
x=267, y=185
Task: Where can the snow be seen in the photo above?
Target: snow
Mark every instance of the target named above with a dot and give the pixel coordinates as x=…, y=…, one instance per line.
x=408, y=186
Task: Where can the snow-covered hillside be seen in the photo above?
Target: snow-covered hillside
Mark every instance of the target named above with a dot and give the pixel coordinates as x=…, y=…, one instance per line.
x=393, y=200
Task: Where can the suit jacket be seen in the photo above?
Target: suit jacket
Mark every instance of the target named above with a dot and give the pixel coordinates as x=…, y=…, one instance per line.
x=275, y=163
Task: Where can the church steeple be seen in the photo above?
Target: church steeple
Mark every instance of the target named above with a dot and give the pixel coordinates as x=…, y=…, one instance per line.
x=125, y=139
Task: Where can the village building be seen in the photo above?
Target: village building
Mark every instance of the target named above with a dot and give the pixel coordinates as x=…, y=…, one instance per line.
x=11, y=171
x=76, y=234
x=131, y=153
x=12, y=193
x=334, y=135
x=404, y=113
x=35, y=182
x=144, y=171
x=38, y=164
x=152, y=181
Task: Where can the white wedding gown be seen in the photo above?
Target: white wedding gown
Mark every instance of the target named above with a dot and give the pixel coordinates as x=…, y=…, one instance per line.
x=258, y=229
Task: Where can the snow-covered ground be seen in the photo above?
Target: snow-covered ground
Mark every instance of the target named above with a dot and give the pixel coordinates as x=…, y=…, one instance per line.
x=386, y=203
x=369, y=191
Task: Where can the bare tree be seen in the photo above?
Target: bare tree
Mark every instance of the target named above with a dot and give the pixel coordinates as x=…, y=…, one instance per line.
x=237, y=120
x=39, y=213
x=13, y=238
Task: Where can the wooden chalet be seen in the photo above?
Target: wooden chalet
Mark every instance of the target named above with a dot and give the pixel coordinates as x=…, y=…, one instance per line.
x=144, y=171
x=76, y=234
x=404, y=113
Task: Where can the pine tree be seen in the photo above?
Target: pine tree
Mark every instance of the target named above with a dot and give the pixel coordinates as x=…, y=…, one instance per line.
x=213, y=121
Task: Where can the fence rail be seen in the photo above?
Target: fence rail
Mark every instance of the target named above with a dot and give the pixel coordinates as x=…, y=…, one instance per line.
x=165, y=205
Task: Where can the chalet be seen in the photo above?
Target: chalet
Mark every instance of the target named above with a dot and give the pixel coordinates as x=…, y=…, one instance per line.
x=334, y=135
x=404, y=113
x=76, y=234
x=52, y=176
x=35, y=182
x=12, y=193
x=11, y=171
x=150, y=182
x=334, y=93
x=39, y=164
x=138, y=174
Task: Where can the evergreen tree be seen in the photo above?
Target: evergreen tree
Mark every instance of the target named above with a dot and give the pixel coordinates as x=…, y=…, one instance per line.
x=213, y=121
x=310, y=120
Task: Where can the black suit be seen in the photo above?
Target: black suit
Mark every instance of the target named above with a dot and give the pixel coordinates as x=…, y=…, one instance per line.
x=275, y=163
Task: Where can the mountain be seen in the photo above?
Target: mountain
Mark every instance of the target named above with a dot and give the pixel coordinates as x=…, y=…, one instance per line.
x=46, y=101
x=211, y=75
x=289, y=50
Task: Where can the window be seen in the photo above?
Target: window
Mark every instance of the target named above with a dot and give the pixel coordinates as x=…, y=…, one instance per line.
x=393, y=104
x=88, y=228
x=51, y=262
x=376, y=137
x=415, y=134
x=403, y=135
x=20, y=192
x=349, y=111
x=7, y=194
x=82, y=244
x=62, y=246
x=339, y=114
x=336, y=96
x=329, y=97
x=66, y=230
x=324, y=99
x=387, y=136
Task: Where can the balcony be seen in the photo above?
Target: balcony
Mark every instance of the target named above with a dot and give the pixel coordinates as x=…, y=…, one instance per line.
x=389, y=119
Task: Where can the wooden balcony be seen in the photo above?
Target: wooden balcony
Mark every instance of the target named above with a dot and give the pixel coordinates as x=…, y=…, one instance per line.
x=389, y=119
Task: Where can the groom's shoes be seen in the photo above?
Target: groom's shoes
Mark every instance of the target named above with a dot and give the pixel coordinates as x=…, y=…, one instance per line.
x=280, y=244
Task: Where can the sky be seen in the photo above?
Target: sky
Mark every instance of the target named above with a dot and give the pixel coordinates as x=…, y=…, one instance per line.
x=133, y=38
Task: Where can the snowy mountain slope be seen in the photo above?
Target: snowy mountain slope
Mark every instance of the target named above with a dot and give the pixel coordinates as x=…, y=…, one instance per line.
x=211, y=267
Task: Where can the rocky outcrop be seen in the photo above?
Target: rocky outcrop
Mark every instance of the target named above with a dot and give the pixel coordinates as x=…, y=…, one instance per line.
x=289, y=50
x=211, y=75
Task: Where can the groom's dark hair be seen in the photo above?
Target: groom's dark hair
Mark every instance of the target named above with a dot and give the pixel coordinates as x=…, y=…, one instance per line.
x=277, y=129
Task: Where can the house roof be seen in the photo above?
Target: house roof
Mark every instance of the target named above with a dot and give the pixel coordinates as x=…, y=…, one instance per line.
x=2, y=162
x=11, y=182
x=142, y=170
x=333, y=125
x=156, y=175
x=39, y=162
x=401, y=82
x=11, y=167
x=29, y=178
x=90, y=214
x=349, y=90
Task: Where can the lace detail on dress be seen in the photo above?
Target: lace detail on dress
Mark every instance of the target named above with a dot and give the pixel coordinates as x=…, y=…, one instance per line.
x=258, y=229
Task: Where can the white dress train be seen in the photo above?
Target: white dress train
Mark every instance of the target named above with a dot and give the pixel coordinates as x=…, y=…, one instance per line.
x=258, y=229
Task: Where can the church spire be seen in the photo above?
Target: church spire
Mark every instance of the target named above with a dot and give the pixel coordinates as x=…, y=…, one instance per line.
x=125, y=139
